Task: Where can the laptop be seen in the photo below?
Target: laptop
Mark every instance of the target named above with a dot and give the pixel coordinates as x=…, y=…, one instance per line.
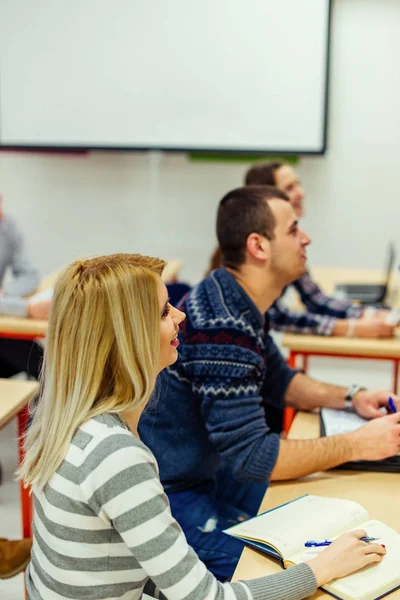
x=367, y=293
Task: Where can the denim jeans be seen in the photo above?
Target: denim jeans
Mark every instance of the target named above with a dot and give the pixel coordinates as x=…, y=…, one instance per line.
x=203, y=512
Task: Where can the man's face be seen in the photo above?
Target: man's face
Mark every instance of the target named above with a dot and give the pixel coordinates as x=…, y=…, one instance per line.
x=288, y=248
x=287, y=181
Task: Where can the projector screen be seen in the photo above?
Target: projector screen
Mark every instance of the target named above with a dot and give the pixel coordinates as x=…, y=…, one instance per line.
x=181, y=75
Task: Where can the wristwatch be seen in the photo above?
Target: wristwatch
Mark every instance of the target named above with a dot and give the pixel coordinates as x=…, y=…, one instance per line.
x=350, y=393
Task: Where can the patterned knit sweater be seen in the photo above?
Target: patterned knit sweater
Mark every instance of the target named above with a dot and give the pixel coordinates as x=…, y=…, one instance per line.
x=103, y=530
x=212, y=405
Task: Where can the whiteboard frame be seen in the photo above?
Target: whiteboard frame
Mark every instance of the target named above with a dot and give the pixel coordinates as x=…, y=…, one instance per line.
x=234, y=152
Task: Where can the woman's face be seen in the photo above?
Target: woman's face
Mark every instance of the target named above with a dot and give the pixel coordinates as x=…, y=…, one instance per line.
x=170, y=317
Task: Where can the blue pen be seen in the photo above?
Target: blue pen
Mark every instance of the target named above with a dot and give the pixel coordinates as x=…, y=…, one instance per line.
x=392, y=405
x=318, y=543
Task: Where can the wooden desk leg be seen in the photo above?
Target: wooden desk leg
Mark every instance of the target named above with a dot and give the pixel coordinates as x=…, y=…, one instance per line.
x=289, y=413
x=26, y=500
x=395, y=375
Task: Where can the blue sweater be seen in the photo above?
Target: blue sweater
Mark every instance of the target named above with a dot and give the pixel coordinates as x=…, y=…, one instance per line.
x=210, y=408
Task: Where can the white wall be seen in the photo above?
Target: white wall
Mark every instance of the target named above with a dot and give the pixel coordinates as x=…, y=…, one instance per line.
x=353, y=193
x=72, y=206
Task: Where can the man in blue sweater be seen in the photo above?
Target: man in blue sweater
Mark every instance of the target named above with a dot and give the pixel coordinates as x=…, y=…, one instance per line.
x=209, y=429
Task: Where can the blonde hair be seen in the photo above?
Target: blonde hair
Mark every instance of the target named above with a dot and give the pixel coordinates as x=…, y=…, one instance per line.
x=102, y=353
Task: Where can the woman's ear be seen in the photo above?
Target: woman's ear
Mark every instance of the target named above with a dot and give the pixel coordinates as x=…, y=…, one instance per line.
x=258, y=247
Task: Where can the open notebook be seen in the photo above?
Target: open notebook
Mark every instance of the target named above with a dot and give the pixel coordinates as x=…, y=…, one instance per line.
x=282, y=532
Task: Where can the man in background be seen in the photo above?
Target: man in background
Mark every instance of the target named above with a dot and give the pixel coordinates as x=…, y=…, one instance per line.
x=324, y=315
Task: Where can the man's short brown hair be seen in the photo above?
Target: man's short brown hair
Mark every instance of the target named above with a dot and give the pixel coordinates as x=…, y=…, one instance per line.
x=241, y=212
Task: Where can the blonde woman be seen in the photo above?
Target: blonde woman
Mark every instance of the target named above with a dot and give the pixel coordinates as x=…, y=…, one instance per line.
x=102, y=523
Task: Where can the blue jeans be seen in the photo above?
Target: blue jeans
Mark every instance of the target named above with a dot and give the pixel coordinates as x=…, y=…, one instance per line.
x=203, y=512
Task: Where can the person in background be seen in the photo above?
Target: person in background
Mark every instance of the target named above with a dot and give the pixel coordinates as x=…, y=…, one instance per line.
x=17, y=355
x=210, y=432
x=102, y=523
x=324, y=315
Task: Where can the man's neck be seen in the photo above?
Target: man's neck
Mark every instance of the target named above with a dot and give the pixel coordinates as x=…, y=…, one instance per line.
x=261, y=287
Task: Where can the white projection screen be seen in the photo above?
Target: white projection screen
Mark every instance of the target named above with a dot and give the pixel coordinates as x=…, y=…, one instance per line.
x=180, y=75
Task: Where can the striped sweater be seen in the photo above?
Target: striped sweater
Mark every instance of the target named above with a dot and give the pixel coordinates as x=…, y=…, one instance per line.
x=103, y=530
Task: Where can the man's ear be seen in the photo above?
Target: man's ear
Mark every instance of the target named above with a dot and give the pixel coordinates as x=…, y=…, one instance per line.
x=258, y=247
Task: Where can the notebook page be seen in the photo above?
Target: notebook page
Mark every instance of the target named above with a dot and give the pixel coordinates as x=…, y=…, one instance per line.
x=375, y=580
x=310, y=517
x=340, y=421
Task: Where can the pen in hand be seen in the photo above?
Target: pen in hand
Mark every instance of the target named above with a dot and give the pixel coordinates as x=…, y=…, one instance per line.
x=318, y=543
x=391, y=404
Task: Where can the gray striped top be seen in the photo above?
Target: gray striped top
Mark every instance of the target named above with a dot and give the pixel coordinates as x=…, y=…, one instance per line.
x=103, y=530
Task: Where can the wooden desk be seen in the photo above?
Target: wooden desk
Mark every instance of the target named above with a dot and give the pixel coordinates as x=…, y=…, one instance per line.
x=14, y=398
x=22, y=328
x=375, y=491
x=343, y=347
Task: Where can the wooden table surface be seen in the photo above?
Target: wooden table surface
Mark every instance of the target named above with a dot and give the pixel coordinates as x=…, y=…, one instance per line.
x=320, y=344
x=14, y=396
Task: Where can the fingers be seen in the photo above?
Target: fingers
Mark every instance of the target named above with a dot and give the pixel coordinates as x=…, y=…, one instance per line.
x=358, y=533
x=394, y=417
x=374, y=413
x=373, y=558
x=371, y=548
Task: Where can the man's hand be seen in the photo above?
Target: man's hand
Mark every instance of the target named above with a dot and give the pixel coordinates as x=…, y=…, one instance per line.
x=380, y=315
x=378, y=439
x=367, y=404
x=39, y=310
x=373, y=328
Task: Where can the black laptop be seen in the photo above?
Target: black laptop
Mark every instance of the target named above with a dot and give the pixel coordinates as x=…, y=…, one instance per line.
x=369, y=293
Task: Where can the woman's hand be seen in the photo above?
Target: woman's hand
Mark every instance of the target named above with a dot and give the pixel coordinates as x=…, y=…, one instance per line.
x=344, y=556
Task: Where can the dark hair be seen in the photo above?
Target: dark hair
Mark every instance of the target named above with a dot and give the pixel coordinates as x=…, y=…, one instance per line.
x=240, y=213
x=215, y=261
x=262, y=174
